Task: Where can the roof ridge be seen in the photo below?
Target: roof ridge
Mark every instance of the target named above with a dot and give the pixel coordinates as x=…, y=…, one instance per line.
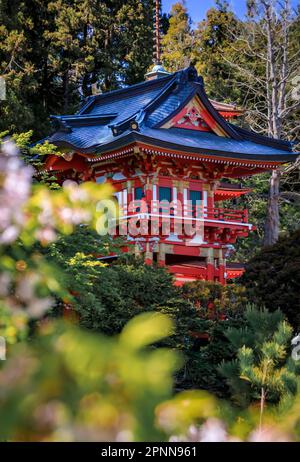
x=84, y=116
x=188, y=73
x=139, y=115
x=112, y=93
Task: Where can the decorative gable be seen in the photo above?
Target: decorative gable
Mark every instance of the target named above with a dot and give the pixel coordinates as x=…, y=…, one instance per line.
x=191, y=119
x=194, y=116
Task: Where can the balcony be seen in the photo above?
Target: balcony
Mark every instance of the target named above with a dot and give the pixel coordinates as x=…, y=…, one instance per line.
x=162, y=220
x=218, y=214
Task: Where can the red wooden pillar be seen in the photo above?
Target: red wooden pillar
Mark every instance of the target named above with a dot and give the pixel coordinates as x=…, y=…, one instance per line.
x=179, y=227
x=148, y=195
x=148, y=255
x=161, y=255
x=210, y=204
x=129, y=193
x=222, y=278
x=222, y=267
x=210, y=266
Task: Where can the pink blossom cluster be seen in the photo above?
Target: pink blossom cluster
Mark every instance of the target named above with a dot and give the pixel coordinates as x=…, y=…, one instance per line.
x=50, y=211
x=15, y=187
x=38, y=214
x=214, y=431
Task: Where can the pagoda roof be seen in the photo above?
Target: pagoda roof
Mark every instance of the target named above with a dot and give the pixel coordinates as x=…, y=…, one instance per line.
x=226, y=107
x=145, y=112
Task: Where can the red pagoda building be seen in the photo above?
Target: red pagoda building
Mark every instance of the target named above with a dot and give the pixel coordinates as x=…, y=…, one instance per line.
x=160, y=142
x=169, y=152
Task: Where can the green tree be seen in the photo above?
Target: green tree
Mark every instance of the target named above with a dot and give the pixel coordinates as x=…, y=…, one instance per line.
x=263, y=368
x=272, y=277
x=212, y=42
x=177, y=42
x=106, y=297
x=16, y=66
x=266, y=67
x=217, y=308
x=55, y=52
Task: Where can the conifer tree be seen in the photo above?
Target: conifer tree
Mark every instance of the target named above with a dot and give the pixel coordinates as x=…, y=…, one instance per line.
x=16, y=66
x=272, y=278
x=212, y=42
x=55, y=52
x=178, y=41
x=263, y=369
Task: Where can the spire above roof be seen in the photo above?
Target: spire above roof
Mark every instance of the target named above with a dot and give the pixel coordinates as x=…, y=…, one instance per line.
x=158, y=70
x=157, y=37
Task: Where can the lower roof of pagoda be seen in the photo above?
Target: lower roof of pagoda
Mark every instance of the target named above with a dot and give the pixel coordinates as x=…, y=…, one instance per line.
x=227, y=191
x=86, y=141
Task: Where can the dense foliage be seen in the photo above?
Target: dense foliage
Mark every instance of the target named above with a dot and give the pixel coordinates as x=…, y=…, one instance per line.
x=54, y=53
x=263, y=368
x=105, y=297
x=71, y=385
x=177, y=42
x=272, y=277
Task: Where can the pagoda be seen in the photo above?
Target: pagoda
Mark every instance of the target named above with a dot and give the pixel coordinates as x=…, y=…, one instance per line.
x=170, y=152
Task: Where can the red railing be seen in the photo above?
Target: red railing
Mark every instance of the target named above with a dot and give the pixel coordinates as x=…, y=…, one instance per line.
x=230, y=215
x=190, y=212
x=143, y=219
x=164, y=212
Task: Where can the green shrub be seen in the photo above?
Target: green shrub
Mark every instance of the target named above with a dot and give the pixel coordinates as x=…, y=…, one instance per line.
x=272, y=278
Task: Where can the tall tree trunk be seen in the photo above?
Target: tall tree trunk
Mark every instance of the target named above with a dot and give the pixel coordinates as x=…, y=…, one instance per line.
x=272, y=224
x=267, y=40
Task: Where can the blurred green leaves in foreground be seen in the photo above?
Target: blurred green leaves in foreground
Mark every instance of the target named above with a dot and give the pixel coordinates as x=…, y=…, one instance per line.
x=68, y=384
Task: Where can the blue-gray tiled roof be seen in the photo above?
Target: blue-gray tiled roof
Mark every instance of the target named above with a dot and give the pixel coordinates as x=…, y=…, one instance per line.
x=104, y=123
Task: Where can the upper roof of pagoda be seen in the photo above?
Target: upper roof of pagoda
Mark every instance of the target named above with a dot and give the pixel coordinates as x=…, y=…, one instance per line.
x=172, y=112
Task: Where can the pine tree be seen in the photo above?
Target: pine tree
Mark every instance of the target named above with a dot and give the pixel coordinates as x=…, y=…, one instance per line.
x=212, y=41
x=178, y=41
x=16, y=66
x=263, y=368
x=272, y=277
x=134, y=40
x=54, y=52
